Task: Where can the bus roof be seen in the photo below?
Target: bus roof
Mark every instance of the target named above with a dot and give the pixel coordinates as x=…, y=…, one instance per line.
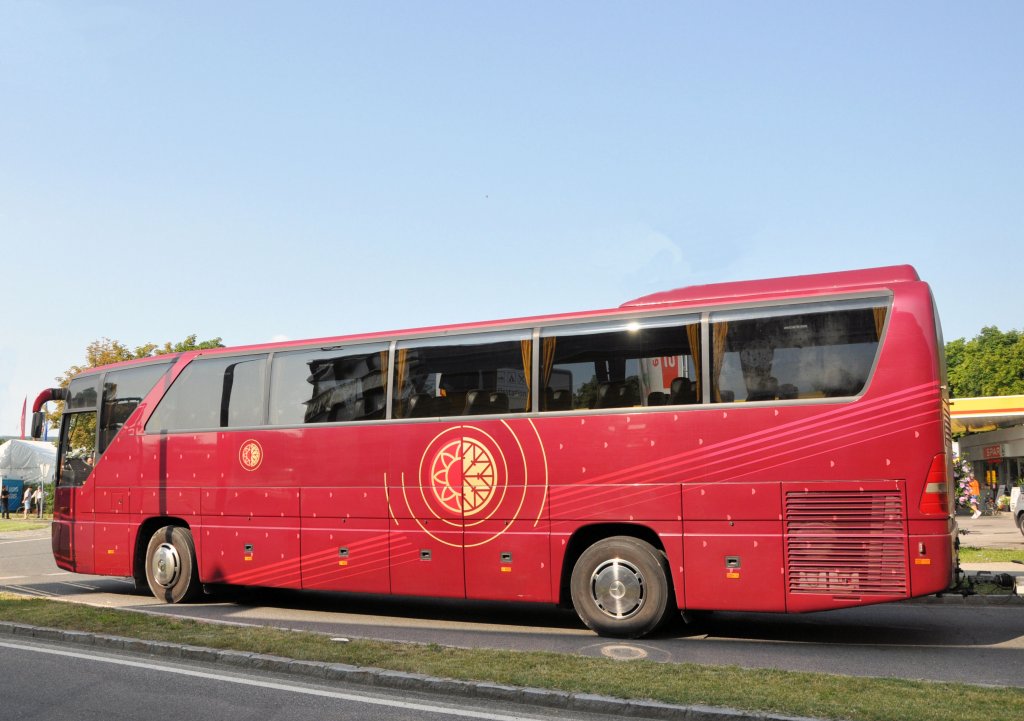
x=773, y=287
x=818, y=284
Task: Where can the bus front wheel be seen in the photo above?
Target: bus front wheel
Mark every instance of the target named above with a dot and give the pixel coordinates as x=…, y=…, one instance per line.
x=620, y=587
x=171, y=565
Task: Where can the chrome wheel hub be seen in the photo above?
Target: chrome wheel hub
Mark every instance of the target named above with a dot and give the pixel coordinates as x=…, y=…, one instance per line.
x=166, y=566
x=618, y=588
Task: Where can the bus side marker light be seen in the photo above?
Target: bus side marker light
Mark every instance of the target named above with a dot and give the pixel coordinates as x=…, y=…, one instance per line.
x=923, y=561
x=732, y=565
x=506, y=569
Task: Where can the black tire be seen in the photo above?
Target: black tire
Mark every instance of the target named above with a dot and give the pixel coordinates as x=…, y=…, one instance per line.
x=620, y=587
x=1020, y=520
x=171, y=565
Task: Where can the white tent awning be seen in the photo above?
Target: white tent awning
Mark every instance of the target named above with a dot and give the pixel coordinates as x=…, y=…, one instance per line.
x=31, y=461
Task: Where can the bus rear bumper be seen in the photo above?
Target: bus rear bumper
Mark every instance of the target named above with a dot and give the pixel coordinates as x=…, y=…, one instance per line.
x=932, y=559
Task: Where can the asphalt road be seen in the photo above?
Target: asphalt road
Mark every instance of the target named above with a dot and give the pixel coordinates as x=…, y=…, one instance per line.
x=60, y=683
x=955, y=640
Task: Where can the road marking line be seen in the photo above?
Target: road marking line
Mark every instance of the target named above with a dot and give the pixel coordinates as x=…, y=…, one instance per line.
x=358, y=698
x=11, y=578
x=31, y=591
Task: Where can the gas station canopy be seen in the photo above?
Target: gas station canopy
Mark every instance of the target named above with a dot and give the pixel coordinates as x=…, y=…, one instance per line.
x=986, y=414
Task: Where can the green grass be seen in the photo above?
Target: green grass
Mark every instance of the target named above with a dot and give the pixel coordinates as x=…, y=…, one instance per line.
x=803, y=694
x=17, y=523
x=968, y=554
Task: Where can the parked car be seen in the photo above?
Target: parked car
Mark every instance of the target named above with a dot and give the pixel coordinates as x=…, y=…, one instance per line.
x=1017, y=507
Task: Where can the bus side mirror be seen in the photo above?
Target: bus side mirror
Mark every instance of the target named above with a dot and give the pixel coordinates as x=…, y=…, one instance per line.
x=38, y=419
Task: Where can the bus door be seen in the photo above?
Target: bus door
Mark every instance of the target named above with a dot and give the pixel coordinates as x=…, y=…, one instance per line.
x=74, y=493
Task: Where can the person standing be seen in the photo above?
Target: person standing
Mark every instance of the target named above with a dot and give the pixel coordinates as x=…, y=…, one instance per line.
x=975, y=490
x=37, y=500
x=5, y=496
x=26, y=502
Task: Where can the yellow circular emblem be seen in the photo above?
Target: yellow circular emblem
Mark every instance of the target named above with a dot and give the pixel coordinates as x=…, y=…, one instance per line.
x=250, y=455
x=463, y=476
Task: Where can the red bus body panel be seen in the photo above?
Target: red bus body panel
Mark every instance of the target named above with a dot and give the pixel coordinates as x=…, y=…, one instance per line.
x=744, y=501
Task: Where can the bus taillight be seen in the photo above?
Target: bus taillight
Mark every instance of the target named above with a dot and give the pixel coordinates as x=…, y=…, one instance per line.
x=935, y=498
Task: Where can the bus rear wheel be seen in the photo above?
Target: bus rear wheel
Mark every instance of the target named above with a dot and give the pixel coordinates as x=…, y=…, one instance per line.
x=171, y=565
x=620, y=587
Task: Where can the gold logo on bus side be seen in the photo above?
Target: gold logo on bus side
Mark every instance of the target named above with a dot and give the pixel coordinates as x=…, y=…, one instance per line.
x=468, y=476
x=250, y=455
x=463, y=476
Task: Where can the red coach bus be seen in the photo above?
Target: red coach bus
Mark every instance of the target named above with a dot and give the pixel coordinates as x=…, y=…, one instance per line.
x=777, y=445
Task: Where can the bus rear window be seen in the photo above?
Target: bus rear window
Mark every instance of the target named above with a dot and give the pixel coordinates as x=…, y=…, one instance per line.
x=824, y=350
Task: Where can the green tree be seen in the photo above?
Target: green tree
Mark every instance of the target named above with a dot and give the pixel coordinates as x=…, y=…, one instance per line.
x=990, y=364
x=105, y=351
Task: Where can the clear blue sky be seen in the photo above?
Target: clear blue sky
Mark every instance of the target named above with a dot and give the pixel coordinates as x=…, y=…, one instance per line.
x=263, y=170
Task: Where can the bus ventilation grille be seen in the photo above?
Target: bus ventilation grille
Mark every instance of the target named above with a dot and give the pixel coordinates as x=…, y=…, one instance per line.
x=846, y=543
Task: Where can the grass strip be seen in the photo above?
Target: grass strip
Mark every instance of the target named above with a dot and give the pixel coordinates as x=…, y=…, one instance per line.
x=17, y=523
x=803, y=694
x=970, y=554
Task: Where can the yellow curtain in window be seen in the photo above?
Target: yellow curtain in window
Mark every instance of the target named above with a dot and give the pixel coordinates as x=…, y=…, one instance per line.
x=547, y=362
x=879, y=314
x=719, y=332
x=693, y=335
x=401, y=360
x=527, y=347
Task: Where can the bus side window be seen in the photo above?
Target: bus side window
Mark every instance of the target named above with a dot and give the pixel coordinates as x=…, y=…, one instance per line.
x=473, y=374
x=217, y=392
x=823, y=350
x=621, y=364
x=123, y=390
x=329, y=385
x=78, y=448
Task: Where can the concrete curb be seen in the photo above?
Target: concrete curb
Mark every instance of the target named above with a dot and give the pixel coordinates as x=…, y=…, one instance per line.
x=399, y=680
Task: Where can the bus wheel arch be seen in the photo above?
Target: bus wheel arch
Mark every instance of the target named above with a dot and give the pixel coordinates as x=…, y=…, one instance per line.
x=169, y=564
x=617, y=579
